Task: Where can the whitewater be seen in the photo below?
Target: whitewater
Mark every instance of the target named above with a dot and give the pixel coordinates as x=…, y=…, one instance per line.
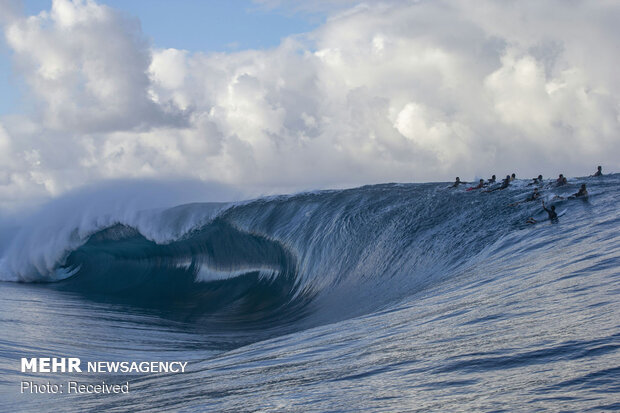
x=391, y=297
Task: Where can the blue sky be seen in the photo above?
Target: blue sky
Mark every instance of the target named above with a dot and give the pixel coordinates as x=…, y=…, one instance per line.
x=197, y=26
x=205, y=25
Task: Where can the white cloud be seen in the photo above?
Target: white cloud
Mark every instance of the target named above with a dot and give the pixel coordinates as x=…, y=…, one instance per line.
x=86, y=64
x=390, y=91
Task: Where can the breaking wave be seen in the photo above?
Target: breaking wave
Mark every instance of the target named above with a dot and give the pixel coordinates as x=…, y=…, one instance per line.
x=322, y=256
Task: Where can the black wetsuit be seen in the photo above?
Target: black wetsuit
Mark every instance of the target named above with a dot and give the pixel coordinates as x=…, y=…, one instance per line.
x=504, y=185
x=582, y=192
x=551, y=212
x=532, y=197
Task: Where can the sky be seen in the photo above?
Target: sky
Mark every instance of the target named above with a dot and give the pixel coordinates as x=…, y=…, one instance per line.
x=270, y=96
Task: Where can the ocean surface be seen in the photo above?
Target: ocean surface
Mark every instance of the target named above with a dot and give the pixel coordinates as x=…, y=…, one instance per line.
x=392, y=297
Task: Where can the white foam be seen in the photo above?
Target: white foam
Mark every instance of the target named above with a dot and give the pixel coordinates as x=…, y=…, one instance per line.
x=45, y=238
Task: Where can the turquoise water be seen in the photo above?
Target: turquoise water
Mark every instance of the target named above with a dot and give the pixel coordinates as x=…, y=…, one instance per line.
x=395, y=297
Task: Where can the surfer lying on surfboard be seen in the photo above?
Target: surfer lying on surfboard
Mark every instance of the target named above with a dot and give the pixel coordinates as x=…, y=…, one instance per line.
x=533, y=197
x=536, y=181
x=457, y=182
x=504, y=185
x=480, y=185
x=582, y=193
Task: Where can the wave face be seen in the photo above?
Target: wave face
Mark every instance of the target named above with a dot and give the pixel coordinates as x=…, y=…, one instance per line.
x=300, y=260
x=367, y=299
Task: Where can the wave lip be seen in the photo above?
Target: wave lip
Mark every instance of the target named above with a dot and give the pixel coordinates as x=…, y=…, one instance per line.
x=41, y=247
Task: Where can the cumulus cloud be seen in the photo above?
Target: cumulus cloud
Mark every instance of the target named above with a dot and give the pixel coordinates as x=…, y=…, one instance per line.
x=390, y=91
x=86, y=64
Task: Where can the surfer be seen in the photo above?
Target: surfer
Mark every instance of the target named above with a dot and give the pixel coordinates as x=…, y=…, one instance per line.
x=599, y=171
x=513, y=177
x=505, y=182
x=561, y=180
x=504, y=185
x=583, y=192
x=480, y=185
x=457, y=182
x=536, y=181
x=533, y=197
x=491, y=180
x=553, y=216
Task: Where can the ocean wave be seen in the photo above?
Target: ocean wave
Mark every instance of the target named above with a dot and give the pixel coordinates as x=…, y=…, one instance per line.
x=342, y=252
